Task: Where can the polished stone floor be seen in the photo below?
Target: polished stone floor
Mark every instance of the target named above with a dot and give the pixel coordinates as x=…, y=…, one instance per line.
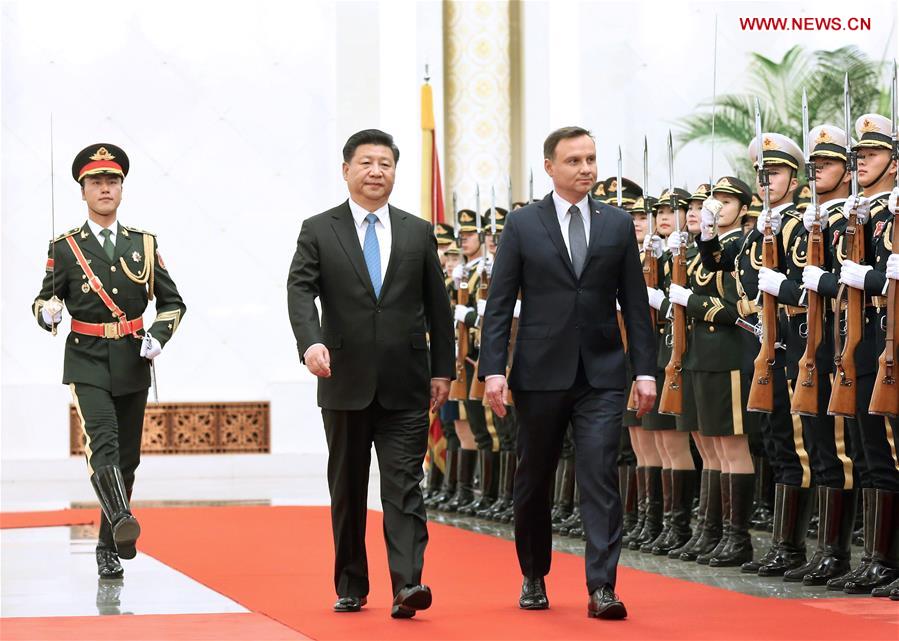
x=52, y=572
x=727, y=578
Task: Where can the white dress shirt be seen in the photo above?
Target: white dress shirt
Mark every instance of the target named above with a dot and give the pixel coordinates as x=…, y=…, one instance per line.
x=97, y=228
x=382, y=231
x=562, y=207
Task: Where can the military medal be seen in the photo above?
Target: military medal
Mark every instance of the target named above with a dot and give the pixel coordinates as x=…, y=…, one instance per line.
x=85, y=287
x=135, y=257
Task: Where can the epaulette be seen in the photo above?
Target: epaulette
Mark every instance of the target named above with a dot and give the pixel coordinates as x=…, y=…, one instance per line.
x=878, y=206
x=139, y=231
x=731, y=238
x=834, y=218
x=792, y=212
x=71, y=232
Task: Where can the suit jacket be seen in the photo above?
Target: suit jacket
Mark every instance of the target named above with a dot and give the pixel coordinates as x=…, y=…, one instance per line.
x=378, y=345
x=111, y=364
x=563, y=317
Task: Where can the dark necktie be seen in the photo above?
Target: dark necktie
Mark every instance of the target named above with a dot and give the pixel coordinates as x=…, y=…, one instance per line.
x=577, y=240
x=108, y=245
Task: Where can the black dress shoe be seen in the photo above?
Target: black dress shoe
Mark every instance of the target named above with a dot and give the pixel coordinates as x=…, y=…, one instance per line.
x=108, y=566
x=409, y=600
x=350, y=603
x=533, y=595
x=604, y=604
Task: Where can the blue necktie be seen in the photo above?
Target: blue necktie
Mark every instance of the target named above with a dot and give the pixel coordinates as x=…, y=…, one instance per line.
x=372, y=253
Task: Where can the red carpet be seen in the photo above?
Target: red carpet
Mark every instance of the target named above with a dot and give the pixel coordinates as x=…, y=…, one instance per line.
x=48, y=519
x=278, y=561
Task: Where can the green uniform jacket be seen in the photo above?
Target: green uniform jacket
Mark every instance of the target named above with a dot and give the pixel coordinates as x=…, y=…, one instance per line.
x=714, y=342
x=111, y=364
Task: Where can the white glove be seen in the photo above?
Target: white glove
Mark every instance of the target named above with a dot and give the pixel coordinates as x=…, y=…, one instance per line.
x=853, y=274
x=679, y=295
x=893, y=266
x=862, y=207
x=811, y=276
x=516, y=311
x=654, y=242
x=656, y=297
x=150, y=348
x=892, y=203
x=710, y=209
x=675, y=240
x=461, y=312
x=51, y=311
x=482, y=305
x=775, y=221
x=810, y=215
x=458, y=275
x=770, y=280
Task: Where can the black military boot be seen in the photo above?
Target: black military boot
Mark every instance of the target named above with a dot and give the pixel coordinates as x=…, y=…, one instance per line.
x=794, y=526
x=108, y=566
x=647, y=547
x=836, y=510
x=641, y=508
x=683, y=486
x=838, y=583
x=573, y=522
x=487, y=469
x=724, y=488
x=464, y=482
x=564, y=492
x=110, y=488
x=682, y=537
x=738, y=548
x=763, y=505
x=627, y=485
x=675, y=553
x=652, y=523
x=448, y=487
x=884, y=566
x=887, y=590
x=752, y=566
x=433, y=482
x=504, y=495
x=710, y=532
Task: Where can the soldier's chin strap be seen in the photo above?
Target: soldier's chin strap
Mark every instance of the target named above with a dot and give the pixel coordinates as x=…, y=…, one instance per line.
x=881, y=174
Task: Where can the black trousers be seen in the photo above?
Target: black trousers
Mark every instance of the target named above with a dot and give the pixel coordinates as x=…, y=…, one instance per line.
x=825, y=441
x=782, y=433
x=878, y=439
x=595, y=416
x=112, y=428
x=400, y=438
x=507, y=429
x=477, y=416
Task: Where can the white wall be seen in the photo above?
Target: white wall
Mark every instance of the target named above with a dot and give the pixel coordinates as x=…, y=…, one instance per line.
x=233, y=116
x=625, y=69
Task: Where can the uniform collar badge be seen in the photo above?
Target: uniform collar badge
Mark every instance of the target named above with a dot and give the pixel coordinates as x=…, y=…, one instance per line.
x=136, y=257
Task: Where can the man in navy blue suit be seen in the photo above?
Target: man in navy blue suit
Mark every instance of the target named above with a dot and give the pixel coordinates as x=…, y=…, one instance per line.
x=571, y=258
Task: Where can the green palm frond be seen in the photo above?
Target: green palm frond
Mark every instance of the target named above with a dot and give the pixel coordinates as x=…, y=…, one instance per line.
x=778, y=86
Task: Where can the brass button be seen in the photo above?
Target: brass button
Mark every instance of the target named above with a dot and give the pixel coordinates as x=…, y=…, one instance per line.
x=712, y=328
x=742, y=272
x=76, y=340
x=112, y=269
x=115, y=290
x=170, y=326
x=84, y=276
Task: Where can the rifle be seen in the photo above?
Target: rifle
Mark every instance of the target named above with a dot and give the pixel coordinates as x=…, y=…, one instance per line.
x=843, y=394
x=477, y=386
x=459, y=387
x=650, y=262
x=885, y=399
x=805, y=396
x=761, y=393
x=672, y=399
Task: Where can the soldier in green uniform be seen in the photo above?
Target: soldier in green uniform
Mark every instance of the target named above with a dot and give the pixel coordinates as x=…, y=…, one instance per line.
x=104, y=273
x=781, y=431
x=877, y=177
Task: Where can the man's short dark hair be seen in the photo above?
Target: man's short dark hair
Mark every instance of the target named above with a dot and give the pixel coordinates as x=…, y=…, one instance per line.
x=369, y=137
x=552, y=140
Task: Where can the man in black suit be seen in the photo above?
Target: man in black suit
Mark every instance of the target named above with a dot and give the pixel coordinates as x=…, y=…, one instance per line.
x=375, y=270
x=569, y=360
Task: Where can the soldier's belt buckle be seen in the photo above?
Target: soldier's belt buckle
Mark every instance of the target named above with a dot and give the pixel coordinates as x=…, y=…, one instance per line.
x=111, y=330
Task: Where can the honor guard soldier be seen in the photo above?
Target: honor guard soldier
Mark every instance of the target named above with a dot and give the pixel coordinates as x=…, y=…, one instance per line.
x=445, y=238
x=876, y=177
x=105, y=273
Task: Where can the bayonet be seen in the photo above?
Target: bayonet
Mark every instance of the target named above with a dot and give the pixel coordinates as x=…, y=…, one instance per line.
x=649, y=228
x=760, y=163
x=810, y=172
x=618, y=182
x=672, y=197
x=894, y=114
x=851, y=154
x=531, y=187
x=714, y=104
x=492, y=214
